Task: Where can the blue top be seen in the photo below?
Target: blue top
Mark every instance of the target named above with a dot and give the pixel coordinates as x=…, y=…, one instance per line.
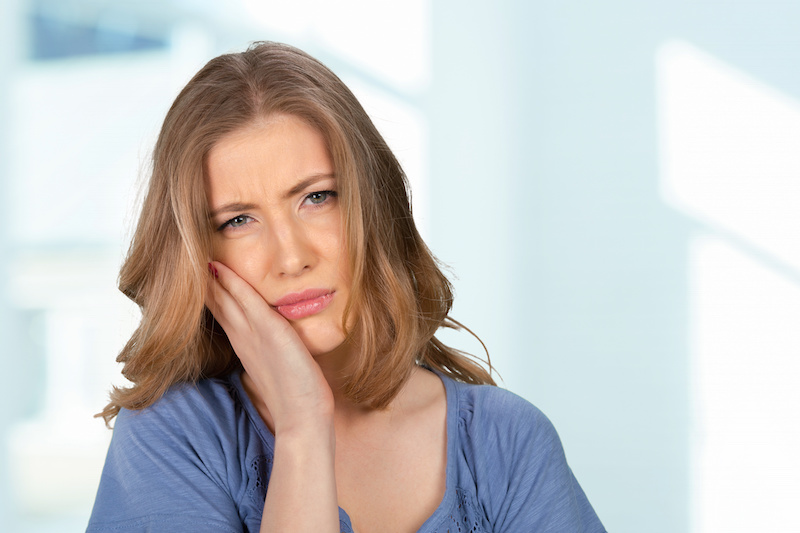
x=199, y=459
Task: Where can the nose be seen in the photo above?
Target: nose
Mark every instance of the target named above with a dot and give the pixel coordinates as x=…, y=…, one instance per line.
x=292, y=250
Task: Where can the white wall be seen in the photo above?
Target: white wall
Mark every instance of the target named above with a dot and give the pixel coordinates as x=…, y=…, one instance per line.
x=552, y=139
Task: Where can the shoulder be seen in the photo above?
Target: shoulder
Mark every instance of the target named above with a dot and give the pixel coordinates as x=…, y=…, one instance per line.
x=487, y=412
x=501, y=435
x=192, y=415
x=181, y=459
x=512, y=460
x=207, y=402
x=192, y=420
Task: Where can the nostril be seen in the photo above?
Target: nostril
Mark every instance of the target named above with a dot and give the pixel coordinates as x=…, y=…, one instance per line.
x=292, y=272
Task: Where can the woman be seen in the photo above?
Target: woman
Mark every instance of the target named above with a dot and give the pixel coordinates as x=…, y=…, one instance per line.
x=293, y=382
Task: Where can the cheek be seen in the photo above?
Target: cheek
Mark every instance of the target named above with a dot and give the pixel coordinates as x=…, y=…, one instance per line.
x=343, y=267
x=331, y=243
x=336, y=254
x=246, y=259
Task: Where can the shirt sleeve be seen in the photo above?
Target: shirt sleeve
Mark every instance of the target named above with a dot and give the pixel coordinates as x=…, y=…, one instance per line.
x=159, y=476
x=527, y=484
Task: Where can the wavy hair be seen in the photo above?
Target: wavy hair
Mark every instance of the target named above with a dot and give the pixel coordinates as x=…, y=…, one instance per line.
x=399, y=295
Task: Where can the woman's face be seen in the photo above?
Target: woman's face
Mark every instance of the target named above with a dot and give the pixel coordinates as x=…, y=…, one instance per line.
x=276, y=219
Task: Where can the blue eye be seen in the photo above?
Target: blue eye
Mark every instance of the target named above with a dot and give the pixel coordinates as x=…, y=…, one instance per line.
x=320, y=197
x=236, y=222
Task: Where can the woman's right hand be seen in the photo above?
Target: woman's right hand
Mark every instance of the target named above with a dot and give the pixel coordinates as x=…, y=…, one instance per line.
x=298, y=399
x=285, y=375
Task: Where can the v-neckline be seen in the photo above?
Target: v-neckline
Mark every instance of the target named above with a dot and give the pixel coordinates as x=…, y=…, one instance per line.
x=451, y=418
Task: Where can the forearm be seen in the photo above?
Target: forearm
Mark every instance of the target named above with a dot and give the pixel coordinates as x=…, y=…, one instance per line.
x=301, y=496
x=296, y=399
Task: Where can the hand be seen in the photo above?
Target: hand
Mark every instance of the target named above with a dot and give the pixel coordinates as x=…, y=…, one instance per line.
x=285, y=374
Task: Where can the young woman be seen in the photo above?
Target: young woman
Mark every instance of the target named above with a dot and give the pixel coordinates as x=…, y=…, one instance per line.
x=285, y=374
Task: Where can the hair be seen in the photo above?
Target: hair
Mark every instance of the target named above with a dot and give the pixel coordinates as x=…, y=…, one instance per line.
x=399, y=295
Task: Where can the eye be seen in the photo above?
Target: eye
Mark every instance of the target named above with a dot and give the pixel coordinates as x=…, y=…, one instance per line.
x=236, y=222
x=320, y=197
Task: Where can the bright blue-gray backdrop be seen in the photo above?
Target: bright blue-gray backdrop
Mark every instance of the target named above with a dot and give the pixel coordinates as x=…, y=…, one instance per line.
x=613, y=185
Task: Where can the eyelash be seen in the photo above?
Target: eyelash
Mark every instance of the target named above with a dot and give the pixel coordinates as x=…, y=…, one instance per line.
x=246, y=218
x=331, y=194
x=229, y=223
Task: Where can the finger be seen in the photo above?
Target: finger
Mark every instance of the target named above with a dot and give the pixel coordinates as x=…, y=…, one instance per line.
x=243, y=309
x=224, y=307
x=252, y=304
x=249, y=313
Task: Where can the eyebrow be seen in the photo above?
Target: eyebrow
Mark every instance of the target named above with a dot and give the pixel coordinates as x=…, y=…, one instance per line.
x=303, y=184
x=297, y=189
x=232, y=207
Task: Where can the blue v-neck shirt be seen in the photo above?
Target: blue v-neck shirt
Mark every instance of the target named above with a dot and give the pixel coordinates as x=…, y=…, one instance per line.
x=199, y=460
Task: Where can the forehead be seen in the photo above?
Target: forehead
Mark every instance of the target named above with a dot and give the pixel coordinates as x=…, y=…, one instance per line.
x=271, y=154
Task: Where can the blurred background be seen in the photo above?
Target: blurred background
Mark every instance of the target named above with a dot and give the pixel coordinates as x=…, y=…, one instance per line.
x=614, y=186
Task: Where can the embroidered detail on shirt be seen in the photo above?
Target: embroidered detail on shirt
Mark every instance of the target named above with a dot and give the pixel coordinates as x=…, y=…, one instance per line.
x=466, y=519
x=258, y=471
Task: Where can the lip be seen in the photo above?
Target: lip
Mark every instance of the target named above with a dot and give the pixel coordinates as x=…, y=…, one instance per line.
x=298, y=305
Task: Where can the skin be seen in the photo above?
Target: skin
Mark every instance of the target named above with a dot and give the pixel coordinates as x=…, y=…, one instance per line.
x=271, y=189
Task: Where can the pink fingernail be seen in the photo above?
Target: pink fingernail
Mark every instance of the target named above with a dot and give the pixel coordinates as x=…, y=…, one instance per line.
x=213, y=270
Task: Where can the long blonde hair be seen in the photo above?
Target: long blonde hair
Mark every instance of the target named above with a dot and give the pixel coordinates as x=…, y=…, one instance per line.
x=399, y=297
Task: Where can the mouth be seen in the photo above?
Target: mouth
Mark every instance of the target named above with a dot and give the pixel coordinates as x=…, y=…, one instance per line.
x=302, y=304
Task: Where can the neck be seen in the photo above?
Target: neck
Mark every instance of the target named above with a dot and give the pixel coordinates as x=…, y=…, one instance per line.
x=336, y=366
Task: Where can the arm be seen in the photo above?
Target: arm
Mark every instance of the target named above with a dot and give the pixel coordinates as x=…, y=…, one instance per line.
x=302, y=492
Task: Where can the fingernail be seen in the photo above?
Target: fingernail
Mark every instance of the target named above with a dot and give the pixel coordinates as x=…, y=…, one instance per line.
x=213, y=270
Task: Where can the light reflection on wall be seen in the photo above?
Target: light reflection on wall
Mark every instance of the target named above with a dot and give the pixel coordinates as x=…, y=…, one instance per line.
x=388, y=40
x=729, y=150
x=730, y=160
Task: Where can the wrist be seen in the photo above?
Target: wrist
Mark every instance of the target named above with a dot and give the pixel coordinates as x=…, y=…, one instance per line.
x=317, y=428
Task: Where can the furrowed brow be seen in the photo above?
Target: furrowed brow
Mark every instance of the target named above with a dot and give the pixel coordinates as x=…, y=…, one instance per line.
x=302, y=185
x=234, y=207
x=307, y=182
